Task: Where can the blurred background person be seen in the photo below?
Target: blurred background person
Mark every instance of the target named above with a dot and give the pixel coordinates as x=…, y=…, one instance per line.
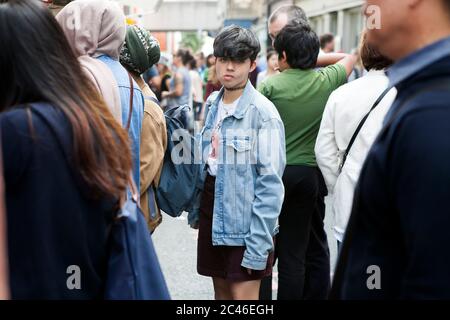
x=327, y=43
x=359, y=69
x=165, y=76
x=212, y=86
x=152, y=78
x=180, y=90
x=200, y=61
x=210, y=61
x=292, y=14
x=272, y=67
x=197, y=90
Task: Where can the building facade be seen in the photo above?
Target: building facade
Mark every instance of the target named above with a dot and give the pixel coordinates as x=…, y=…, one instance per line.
x=343, y=18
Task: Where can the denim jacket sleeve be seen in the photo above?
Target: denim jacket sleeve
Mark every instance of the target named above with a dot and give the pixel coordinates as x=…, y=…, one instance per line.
x=269, y=194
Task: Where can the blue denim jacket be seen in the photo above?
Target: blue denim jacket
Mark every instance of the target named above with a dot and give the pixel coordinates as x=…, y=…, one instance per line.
x=134, y=133
x=249, y=191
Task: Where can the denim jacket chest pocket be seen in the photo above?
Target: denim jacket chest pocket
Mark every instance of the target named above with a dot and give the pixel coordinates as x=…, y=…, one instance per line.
x=238, y=153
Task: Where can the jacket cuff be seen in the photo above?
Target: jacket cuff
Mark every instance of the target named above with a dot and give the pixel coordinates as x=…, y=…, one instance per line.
x=254, y=262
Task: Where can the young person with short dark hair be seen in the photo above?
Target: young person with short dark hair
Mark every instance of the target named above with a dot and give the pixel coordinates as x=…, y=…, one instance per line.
x=300, y=94
x=244, y=159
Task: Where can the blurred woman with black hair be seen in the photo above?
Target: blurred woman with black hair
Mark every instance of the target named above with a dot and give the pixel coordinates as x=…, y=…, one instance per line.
x=66, y=160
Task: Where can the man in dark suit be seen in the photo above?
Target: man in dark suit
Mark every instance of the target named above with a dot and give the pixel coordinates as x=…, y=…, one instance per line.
x=397, y=241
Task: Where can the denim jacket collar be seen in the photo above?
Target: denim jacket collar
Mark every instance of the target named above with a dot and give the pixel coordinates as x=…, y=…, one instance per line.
x=247, y=98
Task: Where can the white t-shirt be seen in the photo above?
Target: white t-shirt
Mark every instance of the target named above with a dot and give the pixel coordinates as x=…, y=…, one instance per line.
x=261, y=77
x=223, y=111
x=197, y=86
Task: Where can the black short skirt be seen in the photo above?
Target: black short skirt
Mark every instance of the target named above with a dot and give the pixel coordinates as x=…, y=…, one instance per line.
x=221, y=261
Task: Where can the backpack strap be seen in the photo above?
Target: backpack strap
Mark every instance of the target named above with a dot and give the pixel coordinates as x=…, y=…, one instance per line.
x=152, y=201
x=360, y=125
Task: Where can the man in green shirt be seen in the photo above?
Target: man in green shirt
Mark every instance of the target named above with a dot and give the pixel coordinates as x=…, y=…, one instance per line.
x=300, y=97
x=300, y=94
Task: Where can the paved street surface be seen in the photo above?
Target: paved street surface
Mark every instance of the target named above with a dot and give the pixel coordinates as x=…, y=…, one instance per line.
x=176, y=245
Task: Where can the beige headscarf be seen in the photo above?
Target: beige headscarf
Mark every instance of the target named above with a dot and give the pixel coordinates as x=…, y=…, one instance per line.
x=95, y=28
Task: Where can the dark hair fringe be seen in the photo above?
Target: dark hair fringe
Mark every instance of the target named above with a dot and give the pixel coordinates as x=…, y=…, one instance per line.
x=236, y=43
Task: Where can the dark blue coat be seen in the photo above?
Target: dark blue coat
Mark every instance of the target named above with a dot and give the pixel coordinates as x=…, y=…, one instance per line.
x=401, y=212
x=52, y=223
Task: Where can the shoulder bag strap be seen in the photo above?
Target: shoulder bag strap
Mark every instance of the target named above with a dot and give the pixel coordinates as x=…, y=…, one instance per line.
x=360, y=125
x=131, y=101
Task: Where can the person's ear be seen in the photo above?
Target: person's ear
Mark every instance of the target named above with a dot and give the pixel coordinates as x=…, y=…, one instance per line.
x=283, y=57
x=252, y=66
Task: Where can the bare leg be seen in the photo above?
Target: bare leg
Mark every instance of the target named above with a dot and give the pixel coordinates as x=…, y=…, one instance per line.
x=245, y=290
x=221, y=289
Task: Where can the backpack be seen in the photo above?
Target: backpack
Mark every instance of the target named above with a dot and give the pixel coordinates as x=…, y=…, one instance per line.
x=177, y=185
